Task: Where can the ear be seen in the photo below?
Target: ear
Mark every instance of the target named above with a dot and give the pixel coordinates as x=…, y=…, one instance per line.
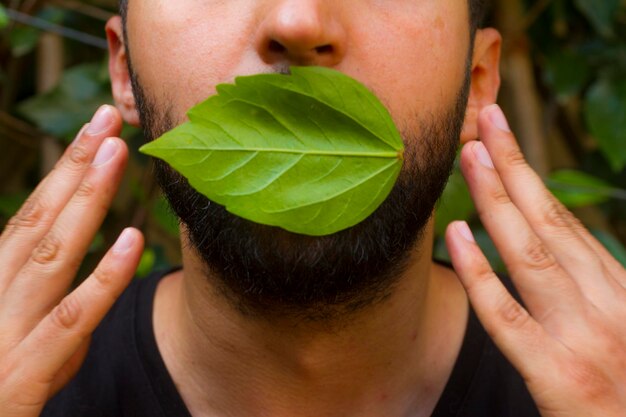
x=485, y=77
x=118, y=69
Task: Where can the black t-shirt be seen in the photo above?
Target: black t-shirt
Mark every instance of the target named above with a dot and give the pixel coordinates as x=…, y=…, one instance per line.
x=124, y=374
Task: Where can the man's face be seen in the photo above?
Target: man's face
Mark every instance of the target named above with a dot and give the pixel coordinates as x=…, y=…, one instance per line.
x=413, y=54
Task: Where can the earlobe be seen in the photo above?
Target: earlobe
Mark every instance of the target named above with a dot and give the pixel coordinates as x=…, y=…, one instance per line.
x=118, y=69
x=485, y=79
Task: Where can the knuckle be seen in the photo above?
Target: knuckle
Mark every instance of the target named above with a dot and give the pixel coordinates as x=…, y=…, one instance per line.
x=47, y=250
x=500, y=196
x=573, y=221
x=483, y=276
x=554, y=215
x=103, y=277
x=85, y=190
x=537, y=257
x=78, y=157
x=483, y=272
x=32, y=213
x=515, y=158
x=66, y=315
x=512, y=314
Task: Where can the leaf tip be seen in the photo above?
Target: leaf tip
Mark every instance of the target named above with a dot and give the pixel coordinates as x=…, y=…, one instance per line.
x=146, y=149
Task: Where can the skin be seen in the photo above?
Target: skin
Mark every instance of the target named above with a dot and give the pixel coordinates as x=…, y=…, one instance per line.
x=392, y=359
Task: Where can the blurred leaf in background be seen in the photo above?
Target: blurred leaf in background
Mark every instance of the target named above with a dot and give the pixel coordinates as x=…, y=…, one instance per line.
x=10, y=203
x=612, y=244
x=578, y=189
x=4, y=18
x=62, y=111
x=600, y=14
x=455, y=203
x=23, y=41
x=605, y=112
x=164, y=217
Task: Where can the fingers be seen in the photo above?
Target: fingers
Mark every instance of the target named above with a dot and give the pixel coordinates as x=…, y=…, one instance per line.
x=542, y=283
x=558, y=229
x=43, y=279
x=520, y=337
x=36, y=216
x=62, y=332
x=557, y=267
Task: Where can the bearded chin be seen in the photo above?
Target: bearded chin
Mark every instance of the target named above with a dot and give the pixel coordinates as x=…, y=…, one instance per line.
x=264, y=270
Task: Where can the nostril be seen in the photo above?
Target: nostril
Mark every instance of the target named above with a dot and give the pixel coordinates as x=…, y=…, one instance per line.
x=324, y=49
x=277, y=47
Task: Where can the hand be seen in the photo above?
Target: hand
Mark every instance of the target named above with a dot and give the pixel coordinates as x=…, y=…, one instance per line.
x=44, y=336
x=569, y=343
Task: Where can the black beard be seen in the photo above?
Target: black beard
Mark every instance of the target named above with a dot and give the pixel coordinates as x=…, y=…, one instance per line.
x=267, y=271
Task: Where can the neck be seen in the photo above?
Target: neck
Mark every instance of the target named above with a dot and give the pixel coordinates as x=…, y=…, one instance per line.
x=391, y=359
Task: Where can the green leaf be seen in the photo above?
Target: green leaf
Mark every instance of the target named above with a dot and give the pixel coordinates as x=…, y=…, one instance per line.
x=605, y=112
x=599, y=13
x=4, y=18
x=313, y=153
x=576, y=188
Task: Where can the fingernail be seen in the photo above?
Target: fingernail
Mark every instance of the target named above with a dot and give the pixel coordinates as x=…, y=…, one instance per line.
x=498, y=119
x=124, y=242
x=100, y=121
x=465, y=231
x=482, y=155
x=107, y=150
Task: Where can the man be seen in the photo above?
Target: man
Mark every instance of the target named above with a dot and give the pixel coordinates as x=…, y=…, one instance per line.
x=262, y=322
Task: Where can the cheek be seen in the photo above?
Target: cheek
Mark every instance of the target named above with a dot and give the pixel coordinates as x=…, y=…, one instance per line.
x=178, y=59
x=418, y=64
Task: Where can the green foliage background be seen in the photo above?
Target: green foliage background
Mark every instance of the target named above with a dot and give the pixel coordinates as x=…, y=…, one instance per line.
x=577, y=55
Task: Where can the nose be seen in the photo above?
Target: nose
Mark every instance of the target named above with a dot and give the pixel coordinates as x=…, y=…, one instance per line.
x=301, y=32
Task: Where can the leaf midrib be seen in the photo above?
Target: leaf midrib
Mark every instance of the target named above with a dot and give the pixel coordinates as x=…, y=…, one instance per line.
x=385, y=155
